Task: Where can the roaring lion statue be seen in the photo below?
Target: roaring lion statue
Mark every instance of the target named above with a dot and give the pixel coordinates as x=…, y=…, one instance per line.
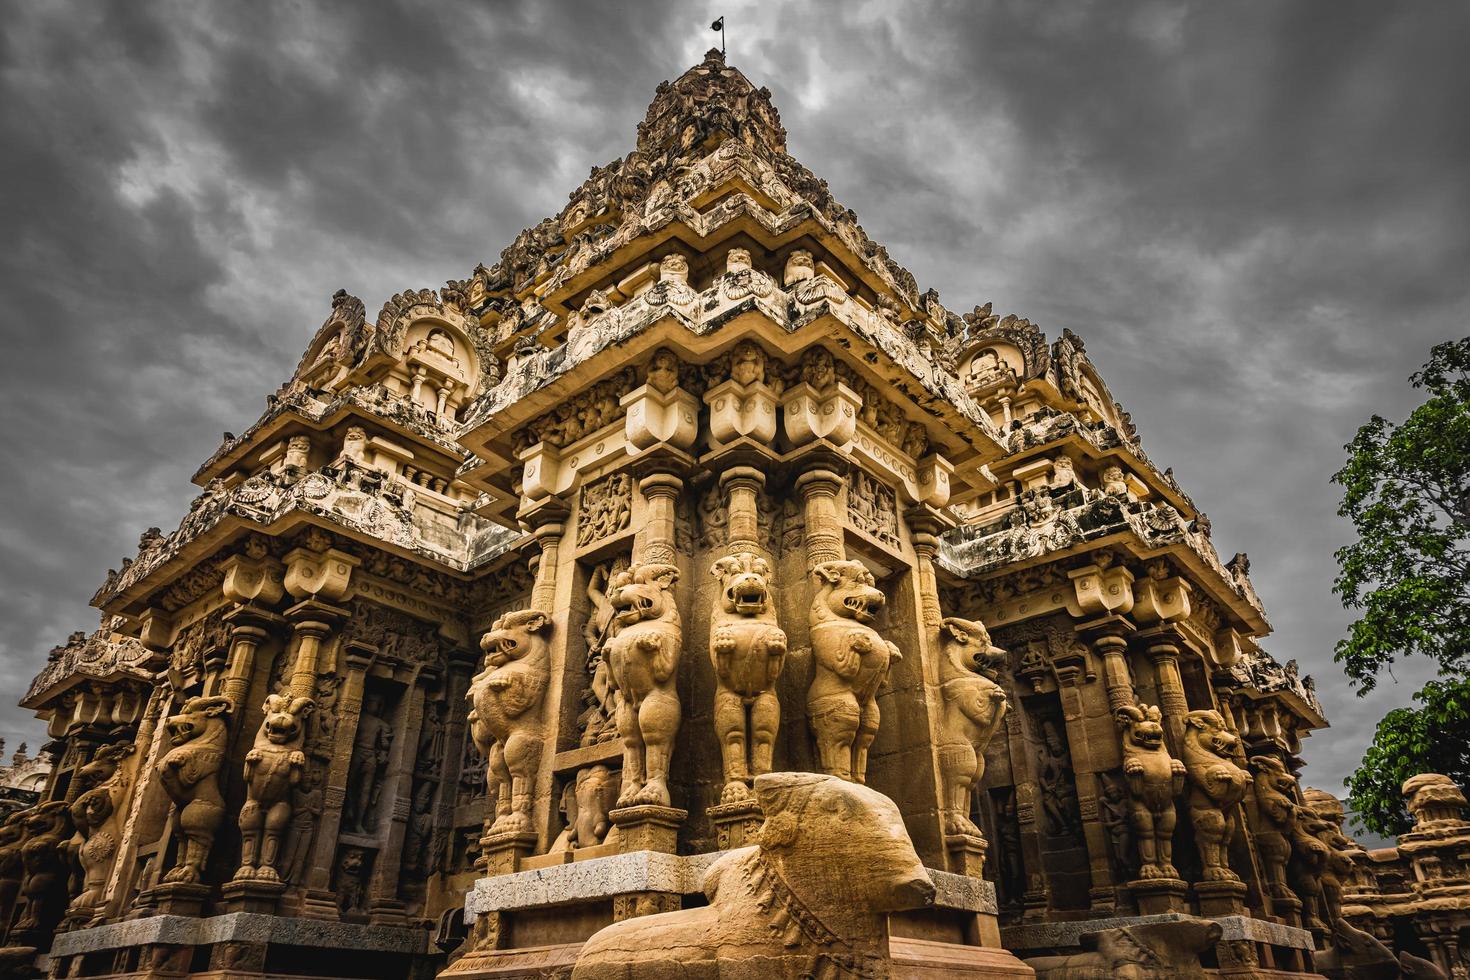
x=1217, y=785
x=643, y=657
x=974, y=706
x=852, y=662
x=748, y=651
x=189, y=774
x=273, y=768
x=506, y=717
x=1155, y=780
x=1274, y=788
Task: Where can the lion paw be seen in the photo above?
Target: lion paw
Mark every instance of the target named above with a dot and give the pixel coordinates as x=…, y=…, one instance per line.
x=735, y=792
x=654, y=793
x=724, y=642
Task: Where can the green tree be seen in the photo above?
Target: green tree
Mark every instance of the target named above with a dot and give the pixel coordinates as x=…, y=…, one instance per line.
x=1406, y=488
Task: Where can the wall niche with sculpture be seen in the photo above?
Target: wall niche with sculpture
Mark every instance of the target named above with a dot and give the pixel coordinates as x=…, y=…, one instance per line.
x=1059, y=824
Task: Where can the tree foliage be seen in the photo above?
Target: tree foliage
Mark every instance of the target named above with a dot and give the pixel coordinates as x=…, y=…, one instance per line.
x=1406, y=488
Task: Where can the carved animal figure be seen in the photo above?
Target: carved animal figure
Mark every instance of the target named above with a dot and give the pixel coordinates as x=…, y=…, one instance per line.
x=1326, y=824
x=92, y=814
x=189, y=774
x=273, y=769
x=642, y=658
x=974, y=706
x=1355, y=955
x=1274, y=786
x=506, y=718
x=1155, y=780
x=1308, y=861
x=852, y=663
x=1418, y=968
x=12, y=837
x=1217, y=785
x=43, y=855
x=1153, y=951
x=586, y=803
x=810, y=900
x=748, y=650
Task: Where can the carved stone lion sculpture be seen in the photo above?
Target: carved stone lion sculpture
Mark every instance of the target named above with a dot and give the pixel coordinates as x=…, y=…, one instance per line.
x=748, y=651
x=93, y=813
x=273, y=768
x=852, y=663
x=43, y=855
x=810, y=900
x=506, y=718
x=1155, y=780
x=974, y=706
x=1149, y=951
x=1217, y=785
x=189, y=774
x=1326, y=817
x=1274, y=788
x=642, y=659
x=12, y=870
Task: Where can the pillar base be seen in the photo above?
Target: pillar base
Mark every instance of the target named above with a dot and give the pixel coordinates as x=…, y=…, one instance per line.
x=252, y=895
x=966, y=854
x=177, y=898
x=501, y=853
x=648, y=827
x=1218, y=898
x=1155, y=896
x=736, y=824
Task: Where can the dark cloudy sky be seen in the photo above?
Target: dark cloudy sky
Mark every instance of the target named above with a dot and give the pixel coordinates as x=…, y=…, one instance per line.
x=1254, y=213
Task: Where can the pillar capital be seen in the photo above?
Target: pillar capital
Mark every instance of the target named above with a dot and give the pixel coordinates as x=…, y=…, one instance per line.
x=319, y=575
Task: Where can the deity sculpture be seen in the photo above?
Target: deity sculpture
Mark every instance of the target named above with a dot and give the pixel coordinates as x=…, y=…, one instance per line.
x=369, y=758
x=748, y=650
x=973, y=708
x=506, y=720
x=1217, y=785
x=642, y=658
x=273, y=769
x=852, y=662
x=189, y=774
x=1155, y=780
x=1059, y=804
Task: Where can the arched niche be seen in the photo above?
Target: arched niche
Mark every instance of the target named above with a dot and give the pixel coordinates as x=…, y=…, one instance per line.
x=438, y=369
x=991, y=362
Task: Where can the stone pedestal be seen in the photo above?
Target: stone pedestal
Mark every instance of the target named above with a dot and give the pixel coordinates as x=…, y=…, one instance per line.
x=500, y=854
x=177, y=898
x=251, y=895
x=648, y=828
x=966, y=854
x=1288, y=908
x=1155, y=896
x=1217, y=898
x=736, y=824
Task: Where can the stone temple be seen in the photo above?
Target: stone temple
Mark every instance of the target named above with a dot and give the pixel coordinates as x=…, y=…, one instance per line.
x=531, y=605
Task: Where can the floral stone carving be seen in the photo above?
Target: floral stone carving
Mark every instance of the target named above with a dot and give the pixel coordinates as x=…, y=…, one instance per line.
x=748, y=650
x=505, y=721
x=810, y=900
x=189, y=774
x=1217, y=785
x=1155, y=780
x=974, y=706
x=642, y=658
x=273, y=769
x=852, y=663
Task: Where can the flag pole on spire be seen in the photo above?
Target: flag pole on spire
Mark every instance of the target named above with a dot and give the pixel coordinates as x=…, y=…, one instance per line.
x=719, y=25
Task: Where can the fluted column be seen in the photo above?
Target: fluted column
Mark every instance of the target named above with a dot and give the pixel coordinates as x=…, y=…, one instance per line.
x=742, y=486
x=654, y=541
x=824, y=541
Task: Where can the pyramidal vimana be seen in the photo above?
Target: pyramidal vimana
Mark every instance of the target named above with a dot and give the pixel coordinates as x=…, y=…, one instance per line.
x=690, y=594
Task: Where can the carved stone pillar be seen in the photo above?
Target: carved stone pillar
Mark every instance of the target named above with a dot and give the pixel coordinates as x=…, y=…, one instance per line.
x=1109, y=639
x=549, y=529
x=924, y=527
x=147, y=804
x=320, y=900
x=1103, y=891
x=654, y=541
x=248, y=632
x=742, y=486
x=824, y=541
x=1163, y=651
x=384, y=906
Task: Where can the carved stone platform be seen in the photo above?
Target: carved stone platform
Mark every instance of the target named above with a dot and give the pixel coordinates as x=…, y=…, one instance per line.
x=736, y=824
x=176, y=898
x=252, y=895
x=648, y=827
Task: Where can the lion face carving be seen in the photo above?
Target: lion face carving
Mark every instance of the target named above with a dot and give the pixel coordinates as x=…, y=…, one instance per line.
x=189, y=774
x=505, y=718
x=974, y=706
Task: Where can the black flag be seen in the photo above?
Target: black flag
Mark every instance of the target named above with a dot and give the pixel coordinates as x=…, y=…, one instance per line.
x=718, y=25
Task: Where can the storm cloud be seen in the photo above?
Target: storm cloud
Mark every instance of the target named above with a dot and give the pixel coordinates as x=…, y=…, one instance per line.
x=1254, y=214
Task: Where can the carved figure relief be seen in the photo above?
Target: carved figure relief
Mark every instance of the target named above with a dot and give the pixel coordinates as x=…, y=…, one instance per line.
x=1217, y=785
x=1150, y=951
x=1155, y=780
x=12, y=869
x=973, y=708
x=506, y=717
x=1115, y=813
x=598, y=720
x=643, y=655
x=370, y=747
x=872, y=507
x=189, y=774
x=1062, y=816
x=93, y=814
x=419, y=832
x=607, y=506
x=586, y=802
x=748, y=651
x=811, y=900
x=351, y=882
x=852, y=662
x=306, y=810
x=273, y=769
